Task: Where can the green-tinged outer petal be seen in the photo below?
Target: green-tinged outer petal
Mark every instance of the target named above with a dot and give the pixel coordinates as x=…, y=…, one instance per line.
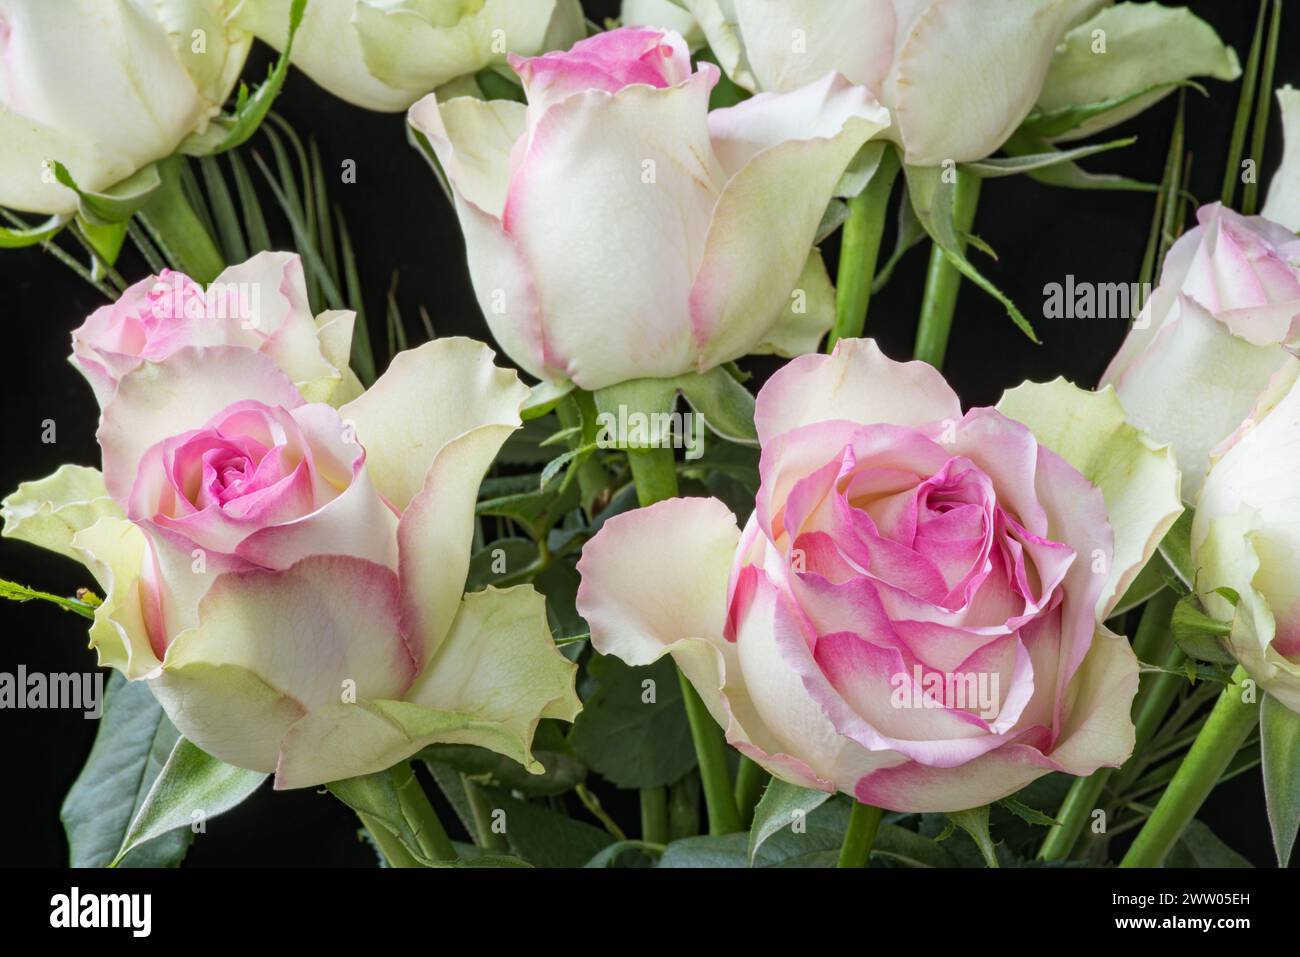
x=48, y=512
x=431, y=395
x=273, y=646
x=662, y=13
x=431, y=426
x=1283, y=205
x=1138, y=478
x=808, y=315
x=756, y=248
x=498, y=674
x=404, y=47
x=720, y=23
x=114, y=550
x=1149, y=47
x=1226, y=558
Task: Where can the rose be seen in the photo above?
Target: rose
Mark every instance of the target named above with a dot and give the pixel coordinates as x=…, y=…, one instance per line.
x=103, y=107
x=386, y=54
x=958, y=76
x=289, y=576
x=616, y=229
x=913, y=613
x=1214, y=333
x=260, y=304
x=1283, y=203
x=1245, y=538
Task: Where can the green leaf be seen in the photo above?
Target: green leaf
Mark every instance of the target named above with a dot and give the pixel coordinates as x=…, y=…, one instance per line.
x=1028, y=814
x=632, y=743
x=15, y=592
x=932, y=198
x=1150, y=50
x=815, y=844
x=30, y=236
x=191, y=782
x=375, y=797
x=543, y=398
x=229, y=234
x=1198, y=634
x=1024, y=162
x=898, y=845
x=1067, y=174
x=117, y=203
x=618, y=853
x=975, y=822
x=781, y=805
x=541, y=836
x=1199, y=847
x=563, y=770
x=132, y=744
x=653, y=398
x=1279, y=734
x=726, y=406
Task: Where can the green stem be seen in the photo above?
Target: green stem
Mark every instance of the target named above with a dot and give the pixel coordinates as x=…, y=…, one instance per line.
x=482, y=814
x=654, y=815
x=749, y=785
x=419, y=813
x=395, y=853
x=942, y=280
x=1083, y=798
x=655, y=474
x=711, y=752
x=684, y=807
x=864, y=821
x=1227, y=728
x=177, y=229
x=860, y=249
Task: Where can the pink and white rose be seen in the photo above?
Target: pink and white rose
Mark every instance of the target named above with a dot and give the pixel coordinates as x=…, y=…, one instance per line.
x=617, y=229
x=260, y=305
x=1223, y=323
x=288, y=576
x=913, y=613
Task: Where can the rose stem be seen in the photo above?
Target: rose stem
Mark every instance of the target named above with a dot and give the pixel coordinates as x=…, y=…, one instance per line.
x=419, y=813
x=1224, y=732
x=864, y=821
x=655, y=474
x=1149, y=706
x=395, y=853
x=177, y=229
x=654, y=815
x=859, y=250
x=749, y=784
x=942, y=280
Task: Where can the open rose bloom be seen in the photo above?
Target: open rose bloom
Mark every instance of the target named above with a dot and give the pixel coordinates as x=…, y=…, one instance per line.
x=617, y=229
x=288, y=576
x=913, y=613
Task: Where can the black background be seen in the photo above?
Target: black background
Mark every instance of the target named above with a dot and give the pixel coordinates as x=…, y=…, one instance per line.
x=400, y=221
